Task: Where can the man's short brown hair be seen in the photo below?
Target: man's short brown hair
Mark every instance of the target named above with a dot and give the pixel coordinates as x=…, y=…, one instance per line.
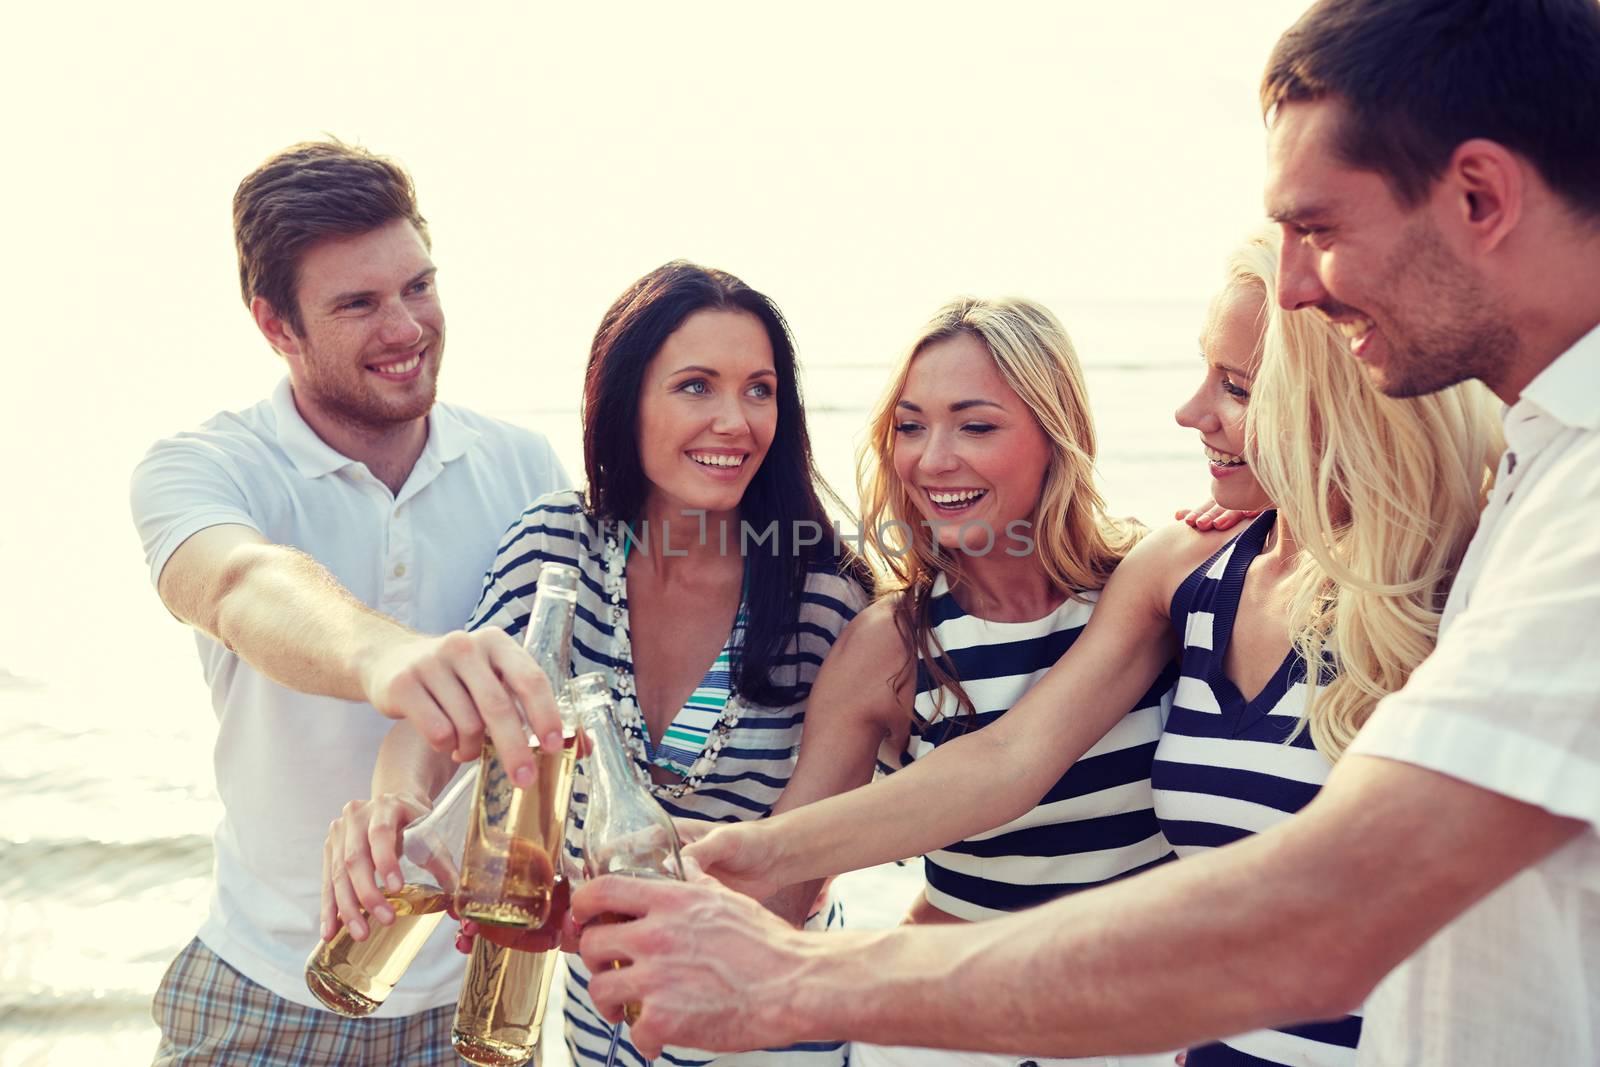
x=1419, y=77
x=304, y=194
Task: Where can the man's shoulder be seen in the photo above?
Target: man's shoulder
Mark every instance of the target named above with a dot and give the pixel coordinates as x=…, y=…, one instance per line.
x=497, y=433
x=232, y=438
x=514, y=462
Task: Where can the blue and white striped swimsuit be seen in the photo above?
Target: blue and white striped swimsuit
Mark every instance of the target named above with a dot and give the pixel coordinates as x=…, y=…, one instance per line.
x=1095, y=825
x=1223, y=772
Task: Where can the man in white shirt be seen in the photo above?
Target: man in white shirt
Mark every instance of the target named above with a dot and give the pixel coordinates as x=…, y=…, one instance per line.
x=315, y=541
x=1435, y=165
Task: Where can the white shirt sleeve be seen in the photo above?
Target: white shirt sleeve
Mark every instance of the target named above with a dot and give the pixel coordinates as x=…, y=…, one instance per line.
x=182, y=486
x=558, y=478
x=1510, y=699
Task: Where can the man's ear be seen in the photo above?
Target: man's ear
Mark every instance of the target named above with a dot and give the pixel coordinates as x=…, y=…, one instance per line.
x=1486, y=185
x=274, y=327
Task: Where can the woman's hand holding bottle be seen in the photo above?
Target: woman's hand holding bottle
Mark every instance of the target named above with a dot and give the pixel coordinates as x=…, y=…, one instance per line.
x=742, y=856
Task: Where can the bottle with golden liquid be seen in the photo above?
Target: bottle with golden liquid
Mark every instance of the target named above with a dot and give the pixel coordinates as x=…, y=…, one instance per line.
x=625, y=831
x=501, y=1009
x=500, y=1012
x=508, y=868
x=353, y=978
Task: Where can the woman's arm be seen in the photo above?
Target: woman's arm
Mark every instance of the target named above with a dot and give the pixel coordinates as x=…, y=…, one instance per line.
x=991, y=776
x=860, y=700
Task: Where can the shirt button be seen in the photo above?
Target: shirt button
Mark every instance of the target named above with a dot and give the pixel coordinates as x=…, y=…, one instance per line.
x=399, y=570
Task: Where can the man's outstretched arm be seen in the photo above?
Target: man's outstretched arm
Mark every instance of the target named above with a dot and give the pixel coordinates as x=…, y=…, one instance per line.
x=1294, y=924
x=286, y=615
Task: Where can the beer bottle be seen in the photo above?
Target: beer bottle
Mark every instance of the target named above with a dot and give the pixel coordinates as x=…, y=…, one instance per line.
x=625, y=831
x=508, y=870
x=353, y=977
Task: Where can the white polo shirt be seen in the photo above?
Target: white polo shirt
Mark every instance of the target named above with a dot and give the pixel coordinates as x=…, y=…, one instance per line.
x=287, y=762
x=1510, y=702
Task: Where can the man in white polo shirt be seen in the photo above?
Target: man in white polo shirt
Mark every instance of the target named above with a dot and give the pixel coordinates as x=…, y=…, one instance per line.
x=315, y=541
x=1435, y=166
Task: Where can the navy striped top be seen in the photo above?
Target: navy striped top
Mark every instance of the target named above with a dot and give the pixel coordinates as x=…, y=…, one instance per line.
x=1096, y=824
x=744, y=759
x=1224, y=771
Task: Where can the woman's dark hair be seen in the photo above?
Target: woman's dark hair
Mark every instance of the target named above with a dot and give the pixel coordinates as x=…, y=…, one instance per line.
x=785, y=494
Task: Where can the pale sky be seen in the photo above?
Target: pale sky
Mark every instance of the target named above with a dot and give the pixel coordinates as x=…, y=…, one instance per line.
x=861, y=163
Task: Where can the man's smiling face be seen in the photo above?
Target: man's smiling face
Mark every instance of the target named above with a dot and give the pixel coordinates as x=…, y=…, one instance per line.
x=368, y=355
x=1416, y=315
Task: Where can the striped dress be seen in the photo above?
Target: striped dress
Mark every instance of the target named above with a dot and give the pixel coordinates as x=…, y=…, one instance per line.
x=745, y=752
x=1095, y=825
x=1223, y=771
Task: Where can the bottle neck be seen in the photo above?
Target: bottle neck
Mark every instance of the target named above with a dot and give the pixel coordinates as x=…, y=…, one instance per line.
x=549, y=638
x=609, y=760
x=625, y=830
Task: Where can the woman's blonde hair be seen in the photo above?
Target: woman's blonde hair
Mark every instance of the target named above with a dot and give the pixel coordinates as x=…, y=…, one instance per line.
x=1075, y=542
x=1381, y=495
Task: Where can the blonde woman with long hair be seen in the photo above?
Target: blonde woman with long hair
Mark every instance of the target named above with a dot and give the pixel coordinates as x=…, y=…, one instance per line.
x=980, y=502
x=1289, y=631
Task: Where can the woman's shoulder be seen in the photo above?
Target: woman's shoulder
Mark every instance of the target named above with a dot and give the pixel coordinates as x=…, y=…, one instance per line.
x=837, y=587
x=1177, y=546
x=555, y=527
x=562, y=511
x=1165, y=557
x=562, y=508
x=874, y=634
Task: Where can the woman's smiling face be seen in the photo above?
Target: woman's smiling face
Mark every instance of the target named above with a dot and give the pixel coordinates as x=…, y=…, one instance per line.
x=1231, y=348
x=967, y=449
x=707, y=412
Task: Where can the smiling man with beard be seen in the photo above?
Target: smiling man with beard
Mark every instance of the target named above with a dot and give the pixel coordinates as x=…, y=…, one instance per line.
x=315, y=541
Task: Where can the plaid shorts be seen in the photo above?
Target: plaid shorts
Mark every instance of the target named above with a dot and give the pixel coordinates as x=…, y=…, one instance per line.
x=209, y=1013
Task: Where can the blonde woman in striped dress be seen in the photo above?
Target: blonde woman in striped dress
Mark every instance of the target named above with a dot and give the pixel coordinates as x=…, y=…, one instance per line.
x=979, y=498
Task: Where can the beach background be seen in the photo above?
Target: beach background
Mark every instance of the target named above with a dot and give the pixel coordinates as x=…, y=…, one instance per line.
x=861, y=165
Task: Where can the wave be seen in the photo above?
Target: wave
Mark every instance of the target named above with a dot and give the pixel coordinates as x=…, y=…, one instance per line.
x=18, y=681
x=78, y=1008
x=39, y=867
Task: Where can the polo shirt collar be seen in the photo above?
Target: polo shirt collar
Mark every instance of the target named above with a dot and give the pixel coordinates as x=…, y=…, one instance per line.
x=448, y=438
x=1569, y=389
x=311, y=455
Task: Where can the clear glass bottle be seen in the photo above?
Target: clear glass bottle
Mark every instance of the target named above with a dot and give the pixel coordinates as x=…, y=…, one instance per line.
x=519, y=832
x=353, y=978
x=511, y=861
x=501, y=1010
x=625, y=831
x=500, y=1013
